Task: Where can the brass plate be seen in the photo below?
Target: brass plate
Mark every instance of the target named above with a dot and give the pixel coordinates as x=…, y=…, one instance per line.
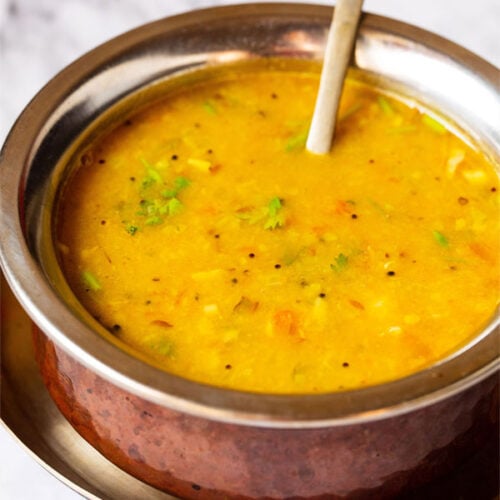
x=28, y=412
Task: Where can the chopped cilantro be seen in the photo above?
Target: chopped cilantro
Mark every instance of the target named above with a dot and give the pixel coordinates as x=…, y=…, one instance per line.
x=433, y=124
x=274, y=206
x=209, y=107
x=131, y=229
x=162, y=346
x=146, y=163
x=385, y=105
x=152, y=175
x=350, y=111
x=440, y=238
x=340, y=263
x=91, y=281
x=274, y=222
x=158, y=202
x=169, y=193
x=163, y=209
x=155, y=209
x=144, y=204
x=154, y=220
x=147, y=182
x=180, y=183
x=174, y=206
x=270, y=215
x=296, y=142
x=253, y=216
x=275, y=218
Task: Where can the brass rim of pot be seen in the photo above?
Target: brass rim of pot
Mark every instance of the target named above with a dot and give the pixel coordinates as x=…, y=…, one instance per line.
x=135, y=67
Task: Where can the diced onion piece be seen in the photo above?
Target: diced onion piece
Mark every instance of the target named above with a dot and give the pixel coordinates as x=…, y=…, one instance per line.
x=457, y=156
x=203, y=165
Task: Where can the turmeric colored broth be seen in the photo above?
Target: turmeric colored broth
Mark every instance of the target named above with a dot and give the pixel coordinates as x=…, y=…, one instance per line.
x=203, y=235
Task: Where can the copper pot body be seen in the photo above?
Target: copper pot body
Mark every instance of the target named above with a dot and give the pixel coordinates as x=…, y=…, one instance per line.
x=193, y=457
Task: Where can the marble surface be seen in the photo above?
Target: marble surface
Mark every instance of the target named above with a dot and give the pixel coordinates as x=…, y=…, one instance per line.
x=39, y=37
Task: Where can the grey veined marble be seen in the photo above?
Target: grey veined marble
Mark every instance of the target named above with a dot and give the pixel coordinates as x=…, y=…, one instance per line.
x=39, y=37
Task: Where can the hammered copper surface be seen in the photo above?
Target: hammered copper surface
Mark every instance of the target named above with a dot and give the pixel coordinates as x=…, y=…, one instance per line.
x=197, y=458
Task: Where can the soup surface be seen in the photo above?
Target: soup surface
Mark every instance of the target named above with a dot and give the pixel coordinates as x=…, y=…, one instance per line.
x=204, y=236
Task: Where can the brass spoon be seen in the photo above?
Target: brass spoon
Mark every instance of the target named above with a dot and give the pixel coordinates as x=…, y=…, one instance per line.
x=338, y=52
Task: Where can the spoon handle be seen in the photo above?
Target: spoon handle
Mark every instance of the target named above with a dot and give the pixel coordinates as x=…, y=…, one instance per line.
x=337, y=56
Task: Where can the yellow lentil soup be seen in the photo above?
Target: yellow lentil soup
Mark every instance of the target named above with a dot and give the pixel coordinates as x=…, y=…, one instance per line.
x=204, y=236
